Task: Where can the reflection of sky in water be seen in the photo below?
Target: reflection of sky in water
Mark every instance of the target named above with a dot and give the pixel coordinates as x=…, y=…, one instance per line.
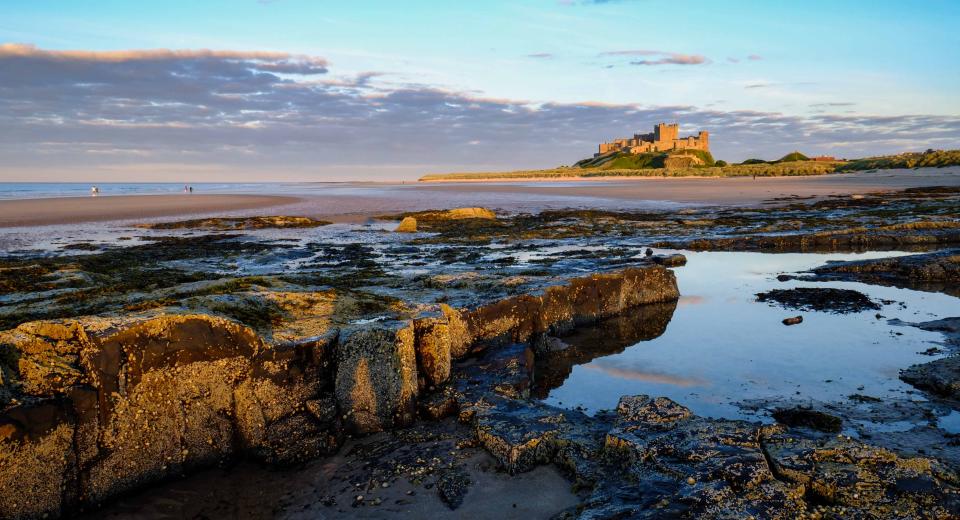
x=722, y=347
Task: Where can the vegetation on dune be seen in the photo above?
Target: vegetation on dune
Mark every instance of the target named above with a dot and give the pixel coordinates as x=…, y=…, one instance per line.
x=928, y=159
x=631, y=161
x=793, y=157
x=621, y=164
x=735, y=170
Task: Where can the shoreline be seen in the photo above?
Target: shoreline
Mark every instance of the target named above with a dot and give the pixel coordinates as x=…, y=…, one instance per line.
x=356, y=202
x=68, y=210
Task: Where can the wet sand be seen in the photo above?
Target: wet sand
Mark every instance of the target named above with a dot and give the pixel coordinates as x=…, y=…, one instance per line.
x=356, y=202
x=714, y=190
x=39, y=212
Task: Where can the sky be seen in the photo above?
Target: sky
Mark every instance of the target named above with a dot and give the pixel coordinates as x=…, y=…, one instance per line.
x=292, y=90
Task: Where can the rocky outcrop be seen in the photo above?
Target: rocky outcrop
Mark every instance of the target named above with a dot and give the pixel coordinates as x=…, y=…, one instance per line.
x=376, y=379
x=407, y=225
x=821, y=299
x=654, y=458
x=939, y=271
x=240, y=223
x=940, y=377
x=97, y=406
x=909, y=234
x=460, y=213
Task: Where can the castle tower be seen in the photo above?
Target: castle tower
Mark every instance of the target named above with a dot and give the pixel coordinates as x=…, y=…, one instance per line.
x=704, y=139
x=666, y=133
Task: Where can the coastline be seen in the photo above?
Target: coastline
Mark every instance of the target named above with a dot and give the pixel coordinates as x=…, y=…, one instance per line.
x=64, y=210
x=356, y=202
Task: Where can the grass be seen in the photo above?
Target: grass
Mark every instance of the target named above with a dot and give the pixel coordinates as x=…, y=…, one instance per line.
x=639, y=161
x=793, y=157
x=733, y=170
x=651, y=165
x=928, y=159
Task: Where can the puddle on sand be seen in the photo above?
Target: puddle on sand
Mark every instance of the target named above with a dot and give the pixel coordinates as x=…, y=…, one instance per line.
x=721, y=347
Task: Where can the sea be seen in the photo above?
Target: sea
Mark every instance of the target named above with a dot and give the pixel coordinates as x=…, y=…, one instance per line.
x=40, y=190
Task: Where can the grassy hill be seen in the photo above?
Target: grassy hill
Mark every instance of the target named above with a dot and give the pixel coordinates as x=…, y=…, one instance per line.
x=793, y=157
x=639, y=161
x=734, y=170
x=651, y=165
x=928, y=159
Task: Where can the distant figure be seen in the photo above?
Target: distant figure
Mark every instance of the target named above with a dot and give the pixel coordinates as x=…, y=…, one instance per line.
x=94, y=191
x=186, y=189
x=191, y=189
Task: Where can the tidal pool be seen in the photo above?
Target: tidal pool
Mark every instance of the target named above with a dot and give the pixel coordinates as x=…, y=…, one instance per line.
x=719, y=349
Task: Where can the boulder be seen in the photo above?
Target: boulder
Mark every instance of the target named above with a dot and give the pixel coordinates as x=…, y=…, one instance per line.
x=96, y=407
x=407, y=225
x=376, y=380
x=460, y=213
x=433, y=350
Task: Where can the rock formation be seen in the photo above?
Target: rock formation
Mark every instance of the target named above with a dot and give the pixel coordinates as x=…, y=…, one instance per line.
x=94, y=406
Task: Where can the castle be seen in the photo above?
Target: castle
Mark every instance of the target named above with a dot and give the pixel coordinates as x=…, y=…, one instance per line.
x=663, y=139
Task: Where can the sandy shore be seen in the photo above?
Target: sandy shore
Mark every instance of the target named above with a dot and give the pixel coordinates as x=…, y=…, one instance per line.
x=39, y=212
x=356, y=202
x=711, y=190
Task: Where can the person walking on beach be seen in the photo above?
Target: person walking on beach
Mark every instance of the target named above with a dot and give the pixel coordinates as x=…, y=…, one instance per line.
x=191, y=189
x=94, y=191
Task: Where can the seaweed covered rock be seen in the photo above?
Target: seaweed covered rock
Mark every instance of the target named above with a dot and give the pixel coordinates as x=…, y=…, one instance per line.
x=938, y=271
x=240, y=223
x=376, y=380
x=96, y=407
x=823, y=299
x=407, y=225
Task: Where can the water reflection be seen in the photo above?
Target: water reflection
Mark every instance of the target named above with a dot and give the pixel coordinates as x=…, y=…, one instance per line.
x=720, y=347
x=557, y=356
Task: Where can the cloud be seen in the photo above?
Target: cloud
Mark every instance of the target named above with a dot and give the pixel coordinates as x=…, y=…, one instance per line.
x=674, y=59
x=541, y=55
x=833, y=104
x=250, y=115
x=733, y=60
x=754, y=57
x=278, y=61
x=660, y=57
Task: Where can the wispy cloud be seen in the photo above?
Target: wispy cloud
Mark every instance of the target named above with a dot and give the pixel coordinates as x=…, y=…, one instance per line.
x=541, y=55
x=659, y=57
x=754, y=57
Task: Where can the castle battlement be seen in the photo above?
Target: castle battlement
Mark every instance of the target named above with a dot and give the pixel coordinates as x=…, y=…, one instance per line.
x=664, y=138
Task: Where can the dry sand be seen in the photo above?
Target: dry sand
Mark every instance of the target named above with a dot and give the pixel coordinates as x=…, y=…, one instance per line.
x=39, y=212
x=355, y=202
x=714, y=190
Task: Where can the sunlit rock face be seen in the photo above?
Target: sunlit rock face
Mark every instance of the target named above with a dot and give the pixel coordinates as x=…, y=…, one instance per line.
x=97, y=406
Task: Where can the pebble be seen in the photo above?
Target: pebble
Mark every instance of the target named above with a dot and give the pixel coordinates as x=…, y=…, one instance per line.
x=691, y=480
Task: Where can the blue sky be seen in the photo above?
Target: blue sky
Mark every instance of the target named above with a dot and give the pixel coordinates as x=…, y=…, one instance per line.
x=411, y=87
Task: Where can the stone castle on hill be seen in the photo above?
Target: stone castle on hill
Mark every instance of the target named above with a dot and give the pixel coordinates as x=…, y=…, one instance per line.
x=665, y=137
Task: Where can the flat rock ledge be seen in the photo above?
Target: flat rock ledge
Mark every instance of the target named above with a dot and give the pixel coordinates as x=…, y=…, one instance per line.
x=94, y=407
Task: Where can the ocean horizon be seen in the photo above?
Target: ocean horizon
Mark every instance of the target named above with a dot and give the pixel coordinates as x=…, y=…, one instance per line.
x=43, y=190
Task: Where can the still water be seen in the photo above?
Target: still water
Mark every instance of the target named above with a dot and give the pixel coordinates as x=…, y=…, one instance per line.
x=719, y=347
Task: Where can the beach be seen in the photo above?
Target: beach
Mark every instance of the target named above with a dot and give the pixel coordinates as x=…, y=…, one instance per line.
x=355, y=202
x=185, y=356
x=64, y=210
